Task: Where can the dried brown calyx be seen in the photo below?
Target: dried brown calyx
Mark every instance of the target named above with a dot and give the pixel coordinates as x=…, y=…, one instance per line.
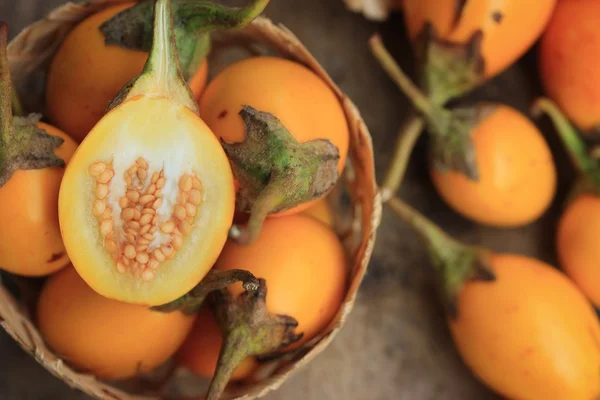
x=22, y=144
x=151, y=219
x=275, y=172
x=248, y=330
x=193, y=23
x=455, y=263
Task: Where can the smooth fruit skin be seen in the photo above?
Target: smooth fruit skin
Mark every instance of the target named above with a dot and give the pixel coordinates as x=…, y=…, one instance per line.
x=30, y=239
x=577, y=244
x=200, y=351
x=301, y=100
x=321, y=211
x=85, y=75
x=517, y=175
x=110, y=339
x=568, y=56
x=509, y=27
x=304, y=266
x=530, y=334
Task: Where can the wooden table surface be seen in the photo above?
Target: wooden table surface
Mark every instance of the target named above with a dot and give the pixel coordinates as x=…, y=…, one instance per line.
x=396, y=344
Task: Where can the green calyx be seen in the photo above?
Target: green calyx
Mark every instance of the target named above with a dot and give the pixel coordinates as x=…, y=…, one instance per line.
x=249, y=329
x=450, y=130
x=455, y=263
x=193, y=23
x=276, y=172
x=161, y=76
x=451, y=146
x=587, y=165
x=22, y=144
x=448, y=70
x=191, y=302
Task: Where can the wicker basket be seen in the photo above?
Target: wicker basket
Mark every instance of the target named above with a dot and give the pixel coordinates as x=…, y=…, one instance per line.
x=29, y=56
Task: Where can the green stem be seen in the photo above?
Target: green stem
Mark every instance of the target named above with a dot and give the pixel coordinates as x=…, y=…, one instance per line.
x=233, y=351
x=6, y=89
x=194, y=21
x=405, y=144
x=269, y=199
x=163, y=60
x=191, y=302
x=162, y=75
x=205, y=16
x=455, y=262
x=245, y=15
x=451, y=146
x=576, y=148
x=200, y=48
x=436, y=239
x=418, y=98
x=248, y=329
